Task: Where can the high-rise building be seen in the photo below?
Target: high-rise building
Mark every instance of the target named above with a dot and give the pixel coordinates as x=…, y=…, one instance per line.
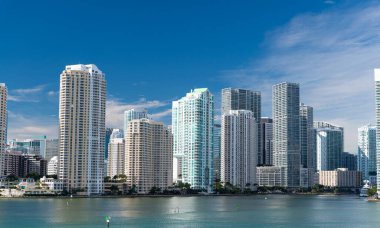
x=243, y=99
x=329, y=145
x=51, y=148
x=133, y=114
x=377, y=87
x=239, y=148
x=266, y=140
x=116, y=153
x=36, y=145
x=149, y=155
x=82, y=106
x=193, y=126
x=3, y=124
x=307, y=137
x=286, y=131
x=367, y=151
x=217, y=148
x=349, y=161
x=107, y=140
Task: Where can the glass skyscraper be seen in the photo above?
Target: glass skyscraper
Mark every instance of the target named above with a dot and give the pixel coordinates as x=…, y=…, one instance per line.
x=377, y=86
x=286, y=131
x=193, y=126
x=367, y=151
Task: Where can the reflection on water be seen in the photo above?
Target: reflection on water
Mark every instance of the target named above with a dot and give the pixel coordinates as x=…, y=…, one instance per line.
x=210, y=211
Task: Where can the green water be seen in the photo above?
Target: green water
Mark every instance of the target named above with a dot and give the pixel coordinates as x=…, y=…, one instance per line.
x=220, y=211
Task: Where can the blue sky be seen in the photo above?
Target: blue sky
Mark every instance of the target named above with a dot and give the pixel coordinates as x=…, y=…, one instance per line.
x=155, y=51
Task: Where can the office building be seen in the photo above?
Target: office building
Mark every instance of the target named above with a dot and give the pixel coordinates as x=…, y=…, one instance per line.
x=377, y=88
x=307, y=137
x=239, y=148
x=217, y=149
x=193, y=126
x=266, y=140
x=270, y=176
x=82, y=106
x=133, y=114
x=107, y=140
x=3, y=124
x=149, y=155
x=51, y=148
x=349, y=161
x=367, y=151
x=286, y=131
x=243, y=99
x=329, y=146
x=52, y=166
x=116, y=153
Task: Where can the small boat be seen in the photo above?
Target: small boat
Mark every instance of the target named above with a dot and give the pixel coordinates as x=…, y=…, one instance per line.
x=364, y=189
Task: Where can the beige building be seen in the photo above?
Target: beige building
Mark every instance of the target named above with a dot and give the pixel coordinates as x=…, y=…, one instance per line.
x=149, y=155
x=82, y=106
x=341, y=177
x=116, y=154
x=270, y=176
x=3, y=125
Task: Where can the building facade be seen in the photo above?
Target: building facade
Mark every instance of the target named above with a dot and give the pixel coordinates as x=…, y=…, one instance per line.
x=243, y=99
x=82, y=106
x=367, y=151
x=51, y=148
x=329, y=146
x=377, y=100
x=3, y=125
x=133, y=114
x=307, y=137
x=193, y=127
x=286, y=131
x=52, y=166
x=340, y=177
x=116, y=153
x=266, y=140
x=149, y=155
x=270, y=176
x=217, y=150
x=349, y=161
x=239, y=148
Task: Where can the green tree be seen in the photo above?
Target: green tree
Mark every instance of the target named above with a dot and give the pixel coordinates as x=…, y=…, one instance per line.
x=114, y=189
x=11, y=177
x=372, y=191
x=34, y=175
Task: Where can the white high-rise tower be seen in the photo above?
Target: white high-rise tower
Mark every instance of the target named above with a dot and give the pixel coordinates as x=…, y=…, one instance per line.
x=82, y=106
x=3, y=124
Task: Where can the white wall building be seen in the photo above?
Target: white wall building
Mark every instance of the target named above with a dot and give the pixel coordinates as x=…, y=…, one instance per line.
x=239, y=148
x=52, y=166
x=116, y=153
x=367, y=151
x=82, y=107
x=3, y=124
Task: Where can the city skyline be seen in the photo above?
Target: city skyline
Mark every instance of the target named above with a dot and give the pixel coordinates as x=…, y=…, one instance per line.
x=241, y=60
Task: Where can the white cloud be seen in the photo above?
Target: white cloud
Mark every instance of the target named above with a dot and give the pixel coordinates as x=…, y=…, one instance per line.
x=160, y=115
x=26, y=95
x=332, y=56
x=115, y=110
x=23, y=127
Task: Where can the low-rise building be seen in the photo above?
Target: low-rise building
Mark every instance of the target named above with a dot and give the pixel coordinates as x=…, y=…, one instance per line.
x=341, y=177
x=269, y=176
x=115, y=188
x=52, y=184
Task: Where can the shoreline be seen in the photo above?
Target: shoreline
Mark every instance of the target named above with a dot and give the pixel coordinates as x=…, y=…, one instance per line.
x=187, y=195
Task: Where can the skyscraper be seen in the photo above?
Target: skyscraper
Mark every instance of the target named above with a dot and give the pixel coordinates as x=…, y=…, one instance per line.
x=3, y=125
x=116, y=153
x=82, y=105
x=286, y=129
x=216, y=146
x=149, y=155
x=243, y=99
x=239, y=148
x=133, y=114
x=329, y=145
x=192, y=126
x=307, y=137
x=367, y=151
x=266, y=140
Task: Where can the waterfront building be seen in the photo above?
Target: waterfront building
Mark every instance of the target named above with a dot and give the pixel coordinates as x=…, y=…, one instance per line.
x=52, y=166
x=307, y=137
x=116, y=156
x=340, y=177
x=133, y=114
x=244, y=99
x=149, y=155
x=266, y=140
x=270, y=176
x=329, y=145
x=193, y=126
x=286, y=131
x=21, y=165
x=377, y=87
x=82, y=106
x=3, y=125
x=367, y=151
x=217, y=150
x=239, y=148
x=52, y=184
x=36, y=145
